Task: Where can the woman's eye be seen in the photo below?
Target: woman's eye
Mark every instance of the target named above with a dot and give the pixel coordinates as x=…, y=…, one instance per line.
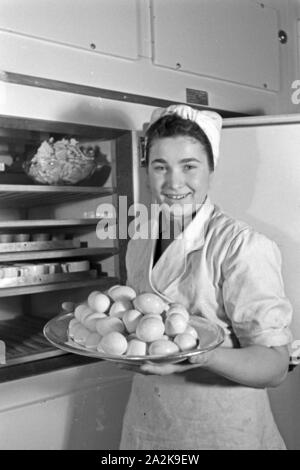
x=189, y=167
x=159, y=168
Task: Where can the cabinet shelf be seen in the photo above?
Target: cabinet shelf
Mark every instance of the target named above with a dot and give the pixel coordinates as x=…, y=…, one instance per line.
x=18, y=195
x=24, y=340
x=100, y=253
x=48, y=223
x=101, y=283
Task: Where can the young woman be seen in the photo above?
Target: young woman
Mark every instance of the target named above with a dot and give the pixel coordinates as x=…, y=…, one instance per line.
x=221, y=269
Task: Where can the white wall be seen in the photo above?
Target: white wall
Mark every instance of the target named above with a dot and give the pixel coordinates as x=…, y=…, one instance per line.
x=29, y=46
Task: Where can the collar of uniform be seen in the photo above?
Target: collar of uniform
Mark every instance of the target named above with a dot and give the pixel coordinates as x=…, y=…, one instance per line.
x=172, y=264
x=194, y=233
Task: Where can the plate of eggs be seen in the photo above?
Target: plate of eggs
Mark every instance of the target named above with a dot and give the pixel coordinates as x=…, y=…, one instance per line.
x=119, y=325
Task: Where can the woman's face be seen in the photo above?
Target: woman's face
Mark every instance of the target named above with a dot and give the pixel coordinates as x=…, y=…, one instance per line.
x=179, y=174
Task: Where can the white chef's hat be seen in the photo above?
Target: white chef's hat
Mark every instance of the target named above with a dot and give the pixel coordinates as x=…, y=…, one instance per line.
x=209, y=121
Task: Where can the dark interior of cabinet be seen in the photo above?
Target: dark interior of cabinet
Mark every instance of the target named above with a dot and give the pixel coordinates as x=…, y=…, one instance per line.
x=23, y=333
x=22, y=329
x=18, y=144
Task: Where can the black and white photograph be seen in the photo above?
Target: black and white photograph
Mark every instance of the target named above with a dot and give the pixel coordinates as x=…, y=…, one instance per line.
x=149, y=227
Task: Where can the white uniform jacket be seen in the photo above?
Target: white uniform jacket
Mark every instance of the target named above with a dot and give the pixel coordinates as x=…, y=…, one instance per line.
x=221, y=269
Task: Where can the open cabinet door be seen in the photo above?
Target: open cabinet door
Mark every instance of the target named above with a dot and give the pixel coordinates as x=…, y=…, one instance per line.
x=258, y=181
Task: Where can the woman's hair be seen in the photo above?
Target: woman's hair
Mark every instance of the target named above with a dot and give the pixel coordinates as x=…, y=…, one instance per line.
x=173, y=125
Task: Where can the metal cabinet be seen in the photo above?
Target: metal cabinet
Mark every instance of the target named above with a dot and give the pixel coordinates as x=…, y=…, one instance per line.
x=106, y=27
x=227, y=40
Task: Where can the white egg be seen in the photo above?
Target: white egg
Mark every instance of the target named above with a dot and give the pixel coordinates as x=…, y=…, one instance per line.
x=149, y=303
x=73, y=325
x=122, y=293
x=108, y=291
x=81, y=334
x=96, y=316
x=130, y=319
x=114, y=343
x=90, y=321
x=136, y=347
x=106, y=325
x=178, y=308
x=163, y=347
x=91, y=297
x=74, y=321
x=101, y=302
x=68, y=307
x=85, y=314
x=150, y=328
x=79, y=310
x=185, y=342
x=131, y=336
x=190, y=330
x=92, y=340
x=175, y=324
x=119, y=307
x=165, y=337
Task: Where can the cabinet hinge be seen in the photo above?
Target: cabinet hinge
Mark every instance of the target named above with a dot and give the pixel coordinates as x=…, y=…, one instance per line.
x=142, y=151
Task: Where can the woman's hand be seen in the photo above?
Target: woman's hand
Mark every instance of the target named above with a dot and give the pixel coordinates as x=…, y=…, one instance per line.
x=200, y=360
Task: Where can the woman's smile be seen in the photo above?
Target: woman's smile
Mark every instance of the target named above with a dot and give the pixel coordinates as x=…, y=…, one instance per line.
x=176, y=197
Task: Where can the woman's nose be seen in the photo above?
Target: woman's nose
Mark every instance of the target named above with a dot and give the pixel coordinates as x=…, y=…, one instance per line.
x=174, y=179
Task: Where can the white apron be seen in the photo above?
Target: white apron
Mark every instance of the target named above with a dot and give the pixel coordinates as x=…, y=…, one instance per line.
x=198, y=409
x=175, y=412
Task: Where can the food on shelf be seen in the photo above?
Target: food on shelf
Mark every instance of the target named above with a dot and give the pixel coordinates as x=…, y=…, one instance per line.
x=60, y=162
x=22, y=237
x=6, y=237
x=40, y=237
x=119, y=322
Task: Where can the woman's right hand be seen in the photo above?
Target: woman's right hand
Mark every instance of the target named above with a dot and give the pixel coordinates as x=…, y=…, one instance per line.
x=159, y=369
